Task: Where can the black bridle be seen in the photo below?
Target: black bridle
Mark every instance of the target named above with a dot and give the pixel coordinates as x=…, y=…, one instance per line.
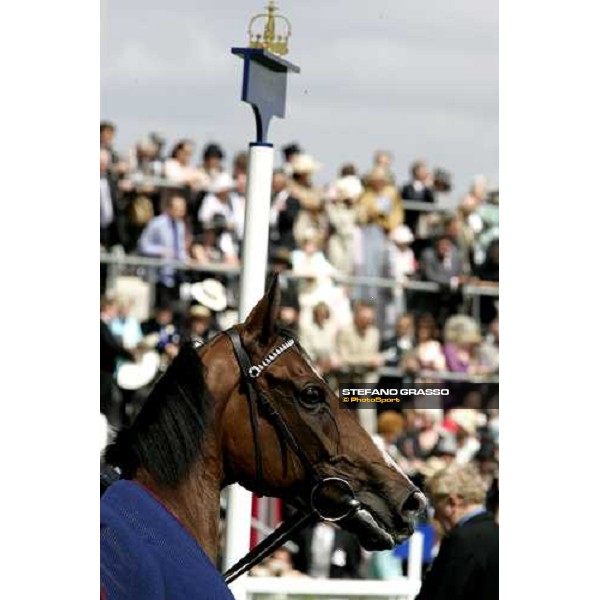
x=331, y=498
x=259, y=402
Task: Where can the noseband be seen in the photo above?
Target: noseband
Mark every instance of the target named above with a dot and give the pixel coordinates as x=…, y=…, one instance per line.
x=331, y=498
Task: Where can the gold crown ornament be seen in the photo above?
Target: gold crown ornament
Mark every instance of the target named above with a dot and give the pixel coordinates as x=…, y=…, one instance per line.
x=270, y=39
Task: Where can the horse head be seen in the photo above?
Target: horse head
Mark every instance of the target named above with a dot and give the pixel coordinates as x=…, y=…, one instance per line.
x=323, y=441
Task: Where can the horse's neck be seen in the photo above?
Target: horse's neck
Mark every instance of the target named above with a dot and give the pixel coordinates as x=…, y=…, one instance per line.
x=195, y=502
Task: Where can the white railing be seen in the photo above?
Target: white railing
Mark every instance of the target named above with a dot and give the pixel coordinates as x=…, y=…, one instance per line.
x=401, y=588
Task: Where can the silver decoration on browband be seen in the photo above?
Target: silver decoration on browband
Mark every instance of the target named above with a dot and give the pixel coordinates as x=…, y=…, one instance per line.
x=256, y=370
x=197, y=342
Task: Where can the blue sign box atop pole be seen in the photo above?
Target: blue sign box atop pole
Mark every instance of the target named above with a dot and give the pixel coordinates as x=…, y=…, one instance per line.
x=264, y=86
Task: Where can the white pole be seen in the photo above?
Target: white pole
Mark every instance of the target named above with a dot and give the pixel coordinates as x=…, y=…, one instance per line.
x=252, y=287
x=416, y=545
x=256, y=226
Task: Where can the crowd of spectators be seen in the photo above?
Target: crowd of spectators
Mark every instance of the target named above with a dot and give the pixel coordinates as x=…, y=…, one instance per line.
x=174, y=207
x=190, y=207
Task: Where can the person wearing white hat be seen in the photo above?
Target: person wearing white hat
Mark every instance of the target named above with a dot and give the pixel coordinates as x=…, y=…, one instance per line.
x=401, y=264
x=305, y=164
x=341, y=211
x=210, y=293
x=467, y=421
x=302, y=189
x=379, y=211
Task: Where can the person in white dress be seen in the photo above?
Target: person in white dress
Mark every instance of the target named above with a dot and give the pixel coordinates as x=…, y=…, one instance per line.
x=317, y=283
x=401, y=266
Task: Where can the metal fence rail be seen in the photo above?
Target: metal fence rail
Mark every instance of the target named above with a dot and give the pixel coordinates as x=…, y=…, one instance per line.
x=119, y=259
x=443, y=375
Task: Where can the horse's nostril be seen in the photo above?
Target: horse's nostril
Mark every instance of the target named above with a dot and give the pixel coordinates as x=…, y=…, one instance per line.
x=414, y=504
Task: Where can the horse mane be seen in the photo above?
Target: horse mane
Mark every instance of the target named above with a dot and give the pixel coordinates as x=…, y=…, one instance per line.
x=166, y=437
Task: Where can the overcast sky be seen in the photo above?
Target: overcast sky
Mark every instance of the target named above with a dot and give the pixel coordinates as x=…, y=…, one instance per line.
x=419, y=78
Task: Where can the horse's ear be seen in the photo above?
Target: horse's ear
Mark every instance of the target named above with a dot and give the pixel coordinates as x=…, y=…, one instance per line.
x=260, y=325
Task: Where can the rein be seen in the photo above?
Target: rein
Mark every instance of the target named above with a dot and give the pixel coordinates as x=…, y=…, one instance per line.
x=326, y=492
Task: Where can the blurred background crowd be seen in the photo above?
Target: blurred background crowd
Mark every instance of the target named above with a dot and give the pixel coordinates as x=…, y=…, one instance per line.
x=384, y=278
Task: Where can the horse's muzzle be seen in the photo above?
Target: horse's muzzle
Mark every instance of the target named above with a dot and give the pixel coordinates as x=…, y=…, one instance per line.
x=378, y=532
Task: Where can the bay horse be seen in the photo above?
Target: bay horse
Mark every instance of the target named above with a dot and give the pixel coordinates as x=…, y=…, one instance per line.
x=247, y=407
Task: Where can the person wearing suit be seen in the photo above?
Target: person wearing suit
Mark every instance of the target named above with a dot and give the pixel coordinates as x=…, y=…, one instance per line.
x=329, y=552
x=284, y=212
x=110, y=351
x=109, y=213
x=418, y=189
x=163, y=328
x=281, y=262
x=442, y=264
x=107, y=138
x=111, y=229
x=165, y=237
x=467, y=565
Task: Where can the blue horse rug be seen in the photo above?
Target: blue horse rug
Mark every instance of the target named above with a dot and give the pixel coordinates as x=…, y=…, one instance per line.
x=147, y=554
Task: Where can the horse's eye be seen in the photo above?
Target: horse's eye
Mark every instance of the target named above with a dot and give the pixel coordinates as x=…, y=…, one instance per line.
x=312, y=394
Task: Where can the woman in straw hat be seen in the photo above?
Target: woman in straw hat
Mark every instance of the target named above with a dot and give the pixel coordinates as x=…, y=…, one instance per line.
x=379, y=211
x=341, y=212
x=380, y=203
x=301, y=188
